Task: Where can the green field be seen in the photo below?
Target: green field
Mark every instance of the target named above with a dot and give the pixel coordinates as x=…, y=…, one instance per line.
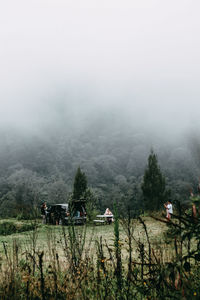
x=131, y=261
x=47, y=236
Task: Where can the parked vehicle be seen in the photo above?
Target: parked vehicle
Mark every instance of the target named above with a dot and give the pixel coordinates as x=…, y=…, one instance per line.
x=60, y=214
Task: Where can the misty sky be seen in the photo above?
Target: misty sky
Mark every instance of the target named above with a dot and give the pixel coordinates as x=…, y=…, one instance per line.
x=141, y=56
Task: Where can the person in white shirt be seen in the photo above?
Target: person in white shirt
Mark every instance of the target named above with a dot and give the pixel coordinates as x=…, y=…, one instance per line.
x=169, y=209
x=108, y=213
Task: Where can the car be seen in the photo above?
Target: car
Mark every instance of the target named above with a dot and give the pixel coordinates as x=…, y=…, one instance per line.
x=60, y=214
x=56, y=213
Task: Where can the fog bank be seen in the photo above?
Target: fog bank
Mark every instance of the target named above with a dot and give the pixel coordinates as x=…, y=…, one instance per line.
x=65, y=63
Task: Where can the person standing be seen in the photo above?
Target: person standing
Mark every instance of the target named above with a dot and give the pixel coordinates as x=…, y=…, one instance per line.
x=165, y=205
x=169, y=209
x=43, y=212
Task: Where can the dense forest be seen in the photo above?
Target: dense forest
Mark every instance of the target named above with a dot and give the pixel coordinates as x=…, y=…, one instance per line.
x=110, y=148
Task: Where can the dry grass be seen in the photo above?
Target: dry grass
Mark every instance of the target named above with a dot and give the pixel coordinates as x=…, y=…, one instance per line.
x=50, y=237
x=94, y=262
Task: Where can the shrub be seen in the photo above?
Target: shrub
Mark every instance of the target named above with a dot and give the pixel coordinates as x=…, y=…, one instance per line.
x=7, y=228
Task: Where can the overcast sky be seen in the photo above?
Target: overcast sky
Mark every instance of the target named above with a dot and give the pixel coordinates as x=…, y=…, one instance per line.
x=139, y=55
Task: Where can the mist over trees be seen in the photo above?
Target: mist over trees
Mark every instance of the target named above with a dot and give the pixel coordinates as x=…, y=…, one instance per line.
x=97, y=85
x=110, y=150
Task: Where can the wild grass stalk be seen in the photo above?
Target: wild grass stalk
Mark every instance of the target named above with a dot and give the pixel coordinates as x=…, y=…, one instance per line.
x=66, y=268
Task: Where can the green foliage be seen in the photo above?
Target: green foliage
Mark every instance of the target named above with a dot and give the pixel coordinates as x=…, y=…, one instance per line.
x=57, y=191
x=44, y=167
x=117, y=244
x=153, y=186
x=91, y=202
x=32, y=214
x=195, y=199
x=34, y=170
x=183, y=236
x=80, y=185
x=7, y=228
x=148, y=272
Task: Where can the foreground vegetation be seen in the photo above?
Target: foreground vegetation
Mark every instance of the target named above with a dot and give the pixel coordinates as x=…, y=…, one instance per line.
x=141, y=258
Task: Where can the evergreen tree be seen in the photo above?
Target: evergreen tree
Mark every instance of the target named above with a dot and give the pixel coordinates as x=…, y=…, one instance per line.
x=80, y=185
x=153, y=186
x=90, y=206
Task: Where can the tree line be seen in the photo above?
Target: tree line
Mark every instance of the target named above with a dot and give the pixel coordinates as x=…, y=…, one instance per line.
x=35, y=169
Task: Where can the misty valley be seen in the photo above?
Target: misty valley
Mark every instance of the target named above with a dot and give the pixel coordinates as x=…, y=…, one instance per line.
x=99, y=150
x=41, y=167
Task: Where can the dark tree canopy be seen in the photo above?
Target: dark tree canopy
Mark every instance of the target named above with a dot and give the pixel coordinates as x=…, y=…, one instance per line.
x=153, y=186
x=36, y=169
x=80, y=185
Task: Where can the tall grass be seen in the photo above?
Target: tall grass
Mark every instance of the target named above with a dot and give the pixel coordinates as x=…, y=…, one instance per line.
x=130, y=268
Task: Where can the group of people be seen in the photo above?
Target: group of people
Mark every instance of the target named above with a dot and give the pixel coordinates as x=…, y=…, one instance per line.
x=168, y=207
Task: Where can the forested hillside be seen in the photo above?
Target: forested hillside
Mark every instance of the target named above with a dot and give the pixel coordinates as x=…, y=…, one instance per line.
x=112, y=151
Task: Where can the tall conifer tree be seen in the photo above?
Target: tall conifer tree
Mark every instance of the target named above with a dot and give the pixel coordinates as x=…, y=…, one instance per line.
x=153, y=186
x=80, y=185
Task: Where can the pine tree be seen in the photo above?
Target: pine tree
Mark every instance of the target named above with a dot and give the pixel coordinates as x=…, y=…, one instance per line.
x=153, y=186
x=80, y=185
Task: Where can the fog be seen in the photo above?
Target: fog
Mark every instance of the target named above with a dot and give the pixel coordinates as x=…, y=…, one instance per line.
x=97, y=84
x=72, y=61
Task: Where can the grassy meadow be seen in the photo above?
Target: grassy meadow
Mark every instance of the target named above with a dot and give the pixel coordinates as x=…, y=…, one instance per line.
x=47, y=236
x=129, y=259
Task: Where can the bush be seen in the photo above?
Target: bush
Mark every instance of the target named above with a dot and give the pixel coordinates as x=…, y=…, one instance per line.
x=35, y=213
x=7, y=228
